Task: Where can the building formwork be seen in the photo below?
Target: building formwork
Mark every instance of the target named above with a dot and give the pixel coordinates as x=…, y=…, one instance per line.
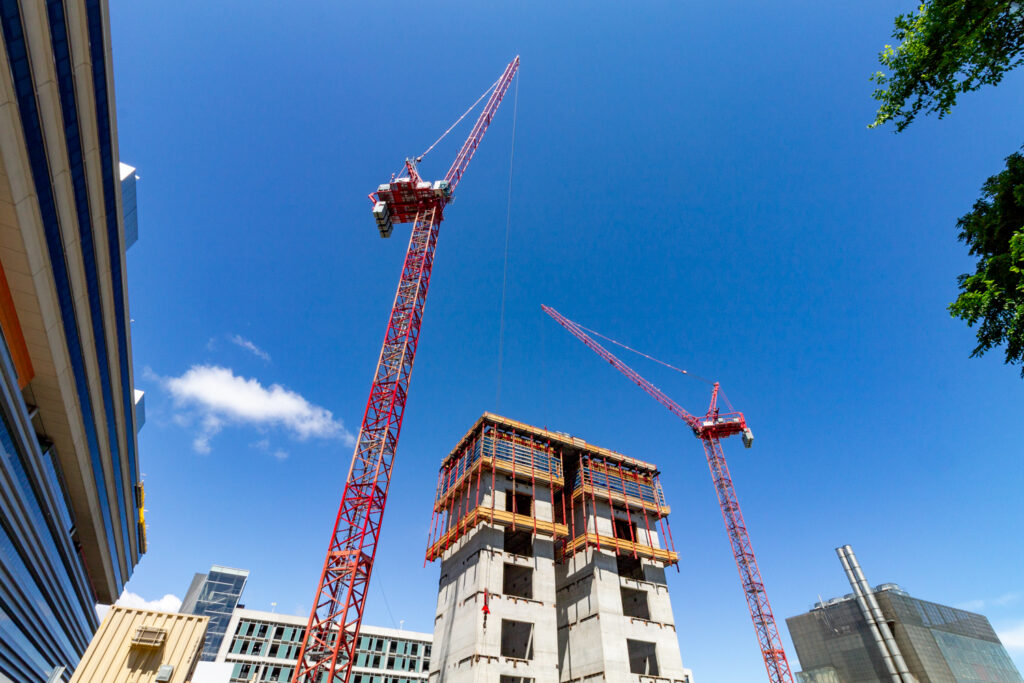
x=553, y=554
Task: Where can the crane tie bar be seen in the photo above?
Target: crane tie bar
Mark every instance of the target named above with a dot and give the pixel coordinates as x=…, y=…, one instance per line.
x=641, y=353
x=458, y=120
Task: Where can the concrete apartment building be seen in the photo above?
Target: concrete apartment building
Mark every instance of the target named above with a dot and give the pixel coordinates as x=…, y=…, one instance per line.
x=883, y=634
x=264, y=646
x=553, y=554
x=71, y=527
x=143, y=646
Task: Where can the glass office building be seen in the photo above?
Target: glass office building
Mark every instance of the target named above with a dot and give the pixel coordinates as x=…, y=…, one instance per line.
x=71, y=529
x=214, y=595
x=940, y=644
x=263, y=646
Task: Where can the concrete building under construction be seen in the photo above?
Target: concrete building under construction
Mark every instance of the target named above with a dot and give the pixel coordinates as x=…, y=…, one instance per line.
x=553, y=555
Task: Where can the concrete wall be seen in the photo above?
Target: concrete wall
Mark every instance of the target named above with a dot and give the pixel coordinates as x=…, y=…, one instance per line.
x=593, y=630
x=468, y=643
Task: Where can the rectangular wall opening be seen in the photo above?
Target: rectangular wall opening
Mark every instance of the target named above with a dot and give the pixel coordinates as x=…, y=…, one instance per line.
x=625, y=530
x=630, y=567
x=523, y=503
x=515, y=679
x=518, y=542
x=634, y=604
x=642, y=657
x=517, y=639
x=518, y=581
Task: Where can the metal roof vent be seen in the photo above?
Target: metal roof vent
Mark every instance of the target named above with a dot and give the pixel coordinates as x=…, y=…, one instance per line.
x=164, y=673
x=149, y=636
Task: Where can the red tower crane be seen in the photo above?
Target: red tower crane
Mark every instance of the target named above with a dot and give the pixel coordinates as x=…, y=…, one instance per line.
x=329, y=645
x=710, y=429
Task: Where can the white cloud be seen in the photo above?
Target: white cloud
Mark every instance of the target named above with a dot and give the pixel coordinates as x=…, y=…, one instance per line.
x=239, y=340
x=222, y=397
x=168, y=603
x=263, y=445
x=1013, y=637
x=981, y=603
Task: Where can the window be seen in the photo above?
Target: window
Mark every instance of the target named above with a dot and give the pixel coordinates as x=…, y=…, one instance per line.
x=625, y=530
x=516, y=639
x=394, y=646
x=391, y=662
x=515, y=679
x=523, y=503
x=629, y=567
x=642, y=657
x=517, y=581
x=518, y=542
x=634, y=603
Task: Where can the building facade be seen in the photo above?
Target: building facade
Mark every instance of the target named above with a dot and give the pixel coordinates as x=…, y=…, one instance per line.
x=264, y=646
x=215, y=595
x=553, y=554
x=939, y=644
x=71, y=530
x=143, y=646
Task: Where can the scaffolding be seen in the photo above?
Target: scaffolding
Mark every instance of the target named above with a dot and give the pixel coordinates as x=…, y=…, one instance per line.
x=496, y=445
x=624, y=487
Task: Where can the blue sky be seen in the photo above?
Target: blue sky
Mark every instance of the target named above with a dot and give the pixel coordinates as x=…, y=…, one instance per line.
x=695, y=179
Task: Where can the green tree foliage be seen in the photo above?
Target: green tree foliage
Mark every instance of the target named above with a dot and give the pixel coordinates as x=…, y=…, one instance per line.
x=948, y=47
x=994, y=294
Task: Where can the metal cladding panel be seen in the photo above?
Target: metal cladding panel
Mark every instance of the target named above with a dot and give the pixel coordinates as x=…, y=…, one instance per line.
x=113, y=658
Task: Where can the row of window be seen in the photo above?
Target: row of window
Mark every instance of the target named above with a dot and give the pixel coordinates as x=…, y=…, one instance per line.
x=517, y=643
x=263, y=639
x=391, y=663
x=262, y=629
x=403, y=647
x=260, y=648
x=251, y=673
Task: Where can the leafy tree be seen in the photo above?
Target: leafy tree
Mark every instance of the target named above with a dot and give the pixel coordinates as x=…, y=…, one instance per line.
x=948, y=47
x=994, y=294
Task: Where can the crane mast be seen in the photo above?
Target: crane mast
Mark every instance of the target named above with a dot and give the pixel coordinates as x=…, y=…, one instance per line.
x=328, y=648
x=710, y=429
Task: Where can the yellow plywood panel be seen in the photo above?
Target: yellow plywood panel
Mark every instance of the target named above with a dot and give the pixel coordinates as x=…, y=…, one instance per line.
x=481, y=515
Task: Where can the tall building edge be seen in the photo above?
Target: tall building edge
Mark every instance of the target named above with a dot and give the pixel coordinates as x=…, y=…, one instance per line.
x=70, y=488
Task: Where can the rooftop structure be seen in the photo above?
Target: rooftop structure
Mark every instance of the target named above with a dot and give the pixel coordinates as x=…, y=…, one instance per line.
x=143, y=646
x=886, y=635
x=553, y=554
x=264, y=646
x=214, y=595
x=70, y=492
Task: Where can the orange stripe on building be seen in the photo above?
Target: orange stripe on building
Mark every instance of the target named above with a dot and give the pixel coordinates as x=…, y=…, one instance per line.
x=12, y=333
